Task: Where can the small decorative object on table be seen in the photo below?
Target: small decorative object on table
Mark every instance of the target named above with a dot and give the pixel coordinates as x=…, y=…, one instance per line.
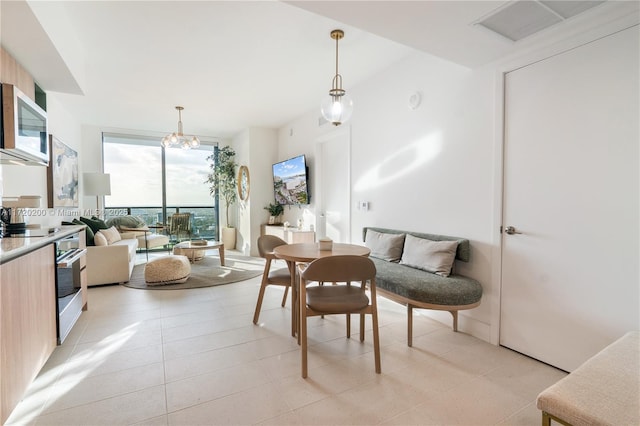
x=198, y=242
x=325, y=244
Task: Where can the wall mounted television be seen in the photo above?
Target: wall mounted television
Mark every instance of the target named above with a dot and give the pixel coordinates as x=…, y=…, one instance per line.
x=290, y=181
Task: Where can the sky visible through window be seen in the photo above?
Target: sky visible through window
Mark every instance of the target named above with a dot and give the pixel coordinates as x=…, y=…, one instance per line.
x=135, y=166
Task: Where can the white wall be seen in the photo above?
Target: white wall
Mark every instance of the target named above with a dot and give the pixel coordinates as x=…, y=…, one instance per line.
x=426, y=170
x=255, y=148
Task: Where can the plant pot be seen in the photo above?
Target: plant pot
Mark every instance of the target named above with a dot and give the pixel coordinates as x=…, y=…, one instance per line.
x=229, y=238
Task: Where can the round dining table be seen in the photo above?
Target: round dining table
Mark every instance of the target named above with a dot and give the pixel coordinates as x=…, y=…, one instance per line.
x=305, y=253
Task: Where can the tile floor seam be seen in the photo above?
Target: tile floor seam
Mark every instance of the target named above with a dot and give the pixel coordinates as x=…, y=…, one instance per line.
x=73, y=407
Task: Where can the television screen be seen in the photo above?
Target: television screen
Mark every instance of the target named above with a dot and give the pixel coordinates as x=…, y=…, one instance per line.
x=290, y=181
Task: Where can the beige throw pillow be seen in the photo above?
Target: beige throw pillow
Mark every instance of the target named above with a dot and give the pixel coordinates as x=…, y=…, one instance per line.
x=112, y=235
x=384, y=246
x=99, y=239
x=428, y=255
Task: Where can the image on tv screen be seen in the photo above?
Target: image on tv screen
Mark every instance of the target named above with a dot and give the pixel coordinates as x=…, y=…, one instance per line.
x=290, y=181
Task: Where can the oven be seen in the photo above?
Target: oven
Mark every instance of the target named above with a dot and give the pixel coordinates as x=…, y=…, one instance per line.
x=70, y=262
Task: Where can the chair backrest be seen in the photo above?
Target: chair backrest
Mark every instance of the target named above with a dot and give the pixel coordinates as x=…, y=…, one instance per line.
x=340, y=269
x=180, y=222
x=266, y=244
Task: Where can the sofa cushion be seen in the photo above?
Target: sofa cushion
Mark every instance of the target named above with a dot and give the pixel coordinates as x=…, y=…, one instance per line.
x=95, y=224
x=100, y=239
x=422, y=286
x=130, y=222
x=87, y=231
x=430, y=256
x=463, y=252
x=112, y=235
x=385, y=246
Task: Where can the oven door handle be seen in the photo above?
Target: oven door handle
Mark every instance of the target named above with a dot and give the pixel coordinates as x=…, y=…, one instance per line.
x=66, y=263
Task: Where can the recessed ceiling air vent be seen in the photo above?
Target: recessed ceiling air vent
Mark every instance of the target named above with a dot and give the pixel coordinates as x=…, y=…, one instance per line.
x=520, y=19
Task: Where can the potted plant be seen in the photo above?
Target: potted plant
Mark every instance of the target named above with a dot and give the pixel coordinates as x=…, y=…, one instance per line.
x=222, y=181
x=275, y=211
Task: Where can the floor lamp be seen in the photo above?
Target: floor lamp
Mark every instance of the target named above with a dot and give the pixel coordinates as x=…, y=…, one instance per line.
x=98, y=184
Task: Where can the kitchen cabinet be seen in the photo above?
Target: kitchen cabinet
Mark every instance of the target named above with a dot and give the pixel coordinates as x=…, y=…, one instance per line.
x=27, y=322
x=290, y=235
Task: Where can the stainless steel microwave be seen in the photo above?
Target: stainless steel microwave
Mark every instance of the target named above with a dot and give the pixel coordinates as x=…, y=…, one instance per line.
x=24, y=129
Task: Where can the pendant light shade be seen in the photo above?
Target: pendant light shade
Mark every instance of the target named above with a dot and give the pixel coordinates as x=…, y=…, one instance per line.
x=178, y=138
x=337, y=106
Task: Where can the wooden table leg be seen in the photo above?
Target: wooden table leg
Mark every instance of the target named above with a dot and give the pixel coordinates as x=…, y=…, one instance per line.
x=294, y=298
x=221, y=252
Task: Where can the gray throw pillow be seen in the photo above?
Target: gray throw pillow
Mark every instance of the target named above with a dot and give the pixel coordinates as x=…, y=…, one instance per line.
x=428, y=255
x=384, y=246
x=126, y=222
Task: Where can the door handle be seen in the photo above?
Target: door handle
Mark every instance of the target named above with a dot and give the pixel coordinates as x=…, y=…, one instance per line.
x=511, y=230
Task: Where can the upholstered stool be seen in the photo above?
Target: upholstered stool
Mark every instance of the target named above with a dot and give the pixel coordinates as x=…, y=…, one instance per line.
x=167, y=270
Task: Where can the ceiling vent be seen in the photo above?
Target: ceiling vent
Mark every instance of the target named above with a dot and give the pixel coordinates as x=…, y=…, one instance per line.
x=520, y=19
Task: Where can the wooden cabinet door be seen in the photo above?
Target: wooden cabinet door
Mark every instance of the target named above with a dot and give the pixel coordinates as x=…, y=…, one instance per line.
x=27, y=323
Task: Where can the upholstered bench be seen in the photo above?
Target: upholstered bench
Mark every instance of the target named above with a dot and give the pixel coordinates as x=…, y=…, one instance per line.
x=167, y=270
x=416, y=270
x=605, y=390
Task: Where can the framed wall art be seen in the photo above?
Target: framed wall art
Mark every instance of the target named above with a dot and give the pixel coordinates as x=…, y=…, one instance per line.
x=62, y=175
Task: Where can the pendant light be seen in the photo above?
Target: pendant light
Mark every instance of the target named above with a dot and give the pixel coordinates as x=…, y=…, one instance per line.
x=337, y=106
x=178, y=138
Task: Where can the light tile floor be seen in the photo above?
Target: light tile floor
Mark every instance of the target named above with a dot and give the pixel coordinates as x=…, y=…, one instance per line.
x=188, y=357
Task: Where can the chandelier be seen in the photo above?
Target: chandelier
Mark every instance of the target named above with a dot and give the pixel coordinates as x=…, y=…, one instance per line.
x=178, y=138
x=337, y=106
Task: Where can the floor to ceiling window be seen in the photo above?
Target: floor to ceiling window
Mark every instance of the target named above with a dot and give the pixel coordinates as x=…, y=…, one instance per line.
x=152, y=184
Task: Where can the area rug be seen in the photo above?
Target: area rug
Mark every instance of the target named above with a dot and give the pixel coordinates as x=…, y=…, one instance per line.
x=206, y=273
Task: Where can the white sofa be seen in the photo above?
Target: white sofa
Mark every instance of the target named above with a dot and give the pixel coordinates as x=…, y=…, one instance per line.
x=113, y=263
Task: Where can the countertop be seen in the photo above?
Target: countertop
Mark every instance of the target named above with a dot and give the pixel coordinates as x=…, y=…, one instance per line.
x=15, y=246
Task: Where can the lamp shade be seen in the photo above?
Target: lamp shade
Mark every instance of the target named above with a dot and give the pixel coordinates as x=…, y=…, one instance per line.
x=337, y=109
x=97, y=184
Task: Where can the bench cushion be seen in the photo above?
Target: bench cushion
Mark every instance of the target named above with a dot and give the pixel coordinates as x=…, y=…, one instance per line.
x=605, y=390
x=422, y=286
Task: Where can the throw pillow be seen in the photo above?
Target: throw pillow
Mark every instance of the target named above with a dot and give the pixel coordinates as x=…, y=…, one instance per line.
x=126, y=222
x=88, y=232
x=384, y=246
x=428, y=255
x=94, y=223
x=100, y=239
x=111, y=234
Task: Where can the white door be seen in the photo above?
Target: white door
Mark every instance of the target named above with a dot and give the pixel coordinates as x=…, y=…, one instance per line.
x=334, y=186
x=570, y=278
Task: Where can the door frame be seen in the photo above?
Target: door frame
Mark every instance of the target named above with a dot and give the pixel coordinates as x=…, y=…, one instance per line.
x=342, y=131
x=502, y=69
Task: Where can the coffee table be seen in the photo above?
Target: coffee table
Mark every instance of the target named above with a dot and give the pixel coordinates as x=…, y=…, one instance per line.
x=190, y=249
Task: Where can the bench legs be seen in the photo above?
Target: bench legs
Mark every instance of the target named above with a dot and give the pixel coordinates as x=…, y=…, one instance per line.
x=546, y=419
x=455, y=320
x=410, y=323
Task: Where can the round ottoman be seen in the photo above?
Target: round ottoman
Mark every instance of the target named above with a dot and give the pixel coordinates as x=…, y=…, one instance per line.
x=167, y=270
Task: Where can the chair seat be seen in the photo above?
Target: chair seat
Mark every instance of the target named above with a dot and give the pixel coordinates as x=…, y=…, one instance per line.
x=280, y=276
x=336, y=299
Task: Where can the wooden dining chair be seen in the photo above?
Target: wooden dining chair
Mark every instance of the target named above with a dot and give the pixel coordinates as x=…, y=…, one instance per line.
x=281, y=277
x=341, y=298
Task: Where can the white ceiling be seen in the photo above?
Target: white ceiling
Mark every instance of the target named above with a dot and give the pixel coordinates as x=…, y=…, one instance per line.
x=238, y=64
